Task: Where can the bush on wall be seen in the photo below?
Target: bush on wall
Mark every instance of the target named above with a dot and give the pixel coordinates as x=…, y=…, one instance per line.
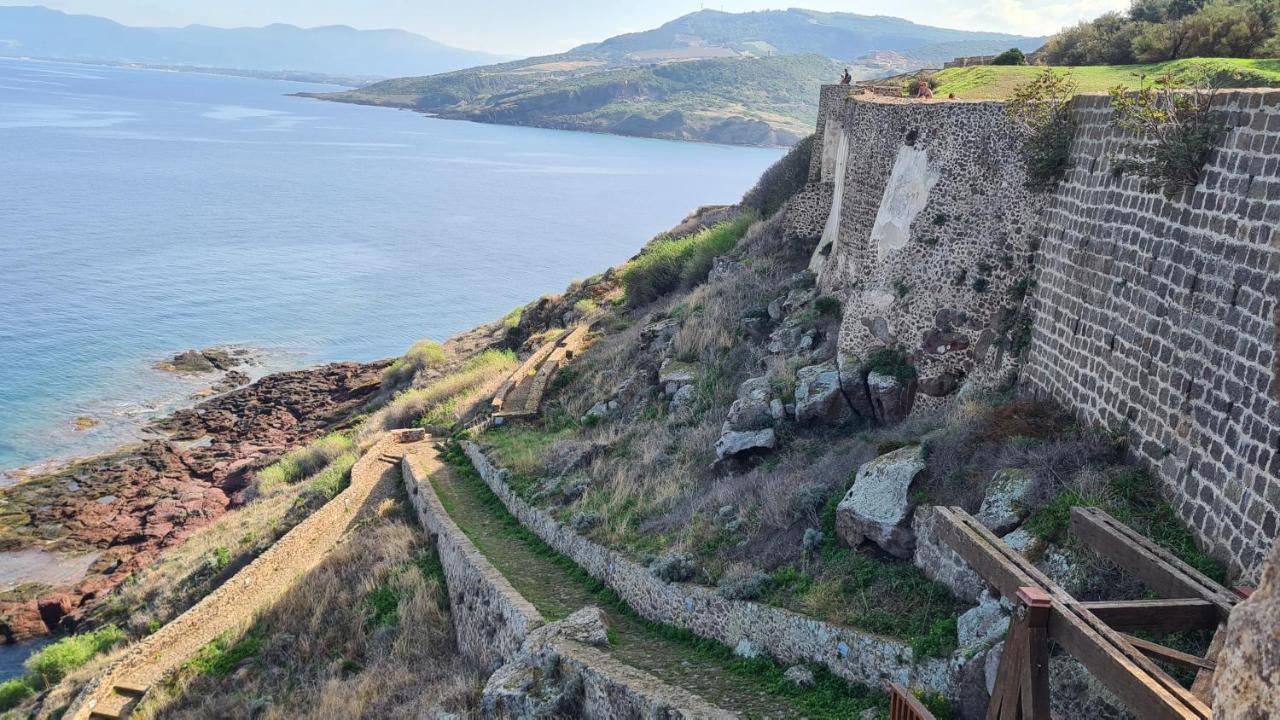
x=1173, y=133
x=1042, y=107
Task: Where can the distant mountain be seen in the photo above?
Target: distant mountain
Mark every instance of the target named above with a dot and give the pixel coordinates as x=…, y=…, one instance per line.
x=34, y=31
x=748, y=78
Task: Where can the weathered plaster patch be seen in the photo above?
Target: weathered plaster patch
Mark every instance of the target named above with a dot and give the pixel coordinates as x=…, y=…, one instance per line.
x=832, y=229
x=905, y=196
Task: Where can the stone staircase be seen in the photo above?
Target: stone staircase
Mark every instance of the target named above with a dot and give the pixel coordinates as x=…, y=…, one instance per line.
x=521, y=396
x=118, y=703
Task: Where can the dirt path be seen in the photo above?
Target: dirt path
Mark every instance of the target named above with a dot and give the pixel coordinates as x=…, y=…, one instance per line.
x=556, y=593
x=235, y=603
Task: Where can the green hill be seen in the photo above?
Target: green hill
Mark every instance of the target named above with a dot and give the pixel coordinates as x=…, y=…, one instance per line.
x=742, y=78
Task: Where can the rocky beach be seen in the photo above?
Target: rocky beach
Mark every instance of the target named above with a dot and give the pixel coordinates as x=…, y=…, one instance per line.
x=74, y=532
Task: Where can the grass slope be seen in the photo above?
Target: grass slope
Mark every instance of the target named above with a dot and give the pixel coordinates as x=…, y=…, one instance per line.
x=995, y=83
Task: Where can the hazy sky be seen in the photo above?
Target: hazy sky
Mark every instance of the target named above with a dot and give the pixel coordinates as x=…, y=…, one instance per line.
x=528, y=27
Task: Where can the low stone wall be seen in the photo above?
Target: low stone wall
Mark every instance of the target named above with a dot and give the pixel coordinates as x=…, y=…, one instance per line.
x=493, y=621
x=749, y=627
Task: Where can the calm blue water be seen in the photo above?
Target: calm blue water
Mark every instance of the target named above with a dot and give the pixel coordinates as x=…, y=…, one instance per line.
x=142, y=213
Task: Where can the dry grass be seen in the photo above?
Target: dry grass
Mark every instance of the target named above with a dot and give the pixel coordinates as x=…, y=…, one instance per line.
x=456, y=390
x=335, y=647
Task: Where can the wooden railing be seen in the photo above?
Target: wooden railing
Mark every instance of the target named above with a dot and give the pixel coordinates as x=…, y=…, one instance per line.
x=903, y=705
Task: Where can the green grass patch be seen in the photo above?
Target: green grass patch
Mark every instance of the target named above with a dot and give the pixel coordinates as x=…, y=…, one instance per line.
x=421, y=355
x=987, y=82
x=301, y=463
x=522, y=450
x=881, y=596
x=832, y=697
x=1133, y=497
x=223, y=655
x=336, y=476
x=54, y=662
x=13, y=692
x=668, y=263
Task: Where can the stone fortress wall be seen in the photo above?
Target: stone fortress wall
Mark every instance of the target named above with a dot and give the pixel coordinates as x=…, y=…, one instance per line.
x=1153, y=316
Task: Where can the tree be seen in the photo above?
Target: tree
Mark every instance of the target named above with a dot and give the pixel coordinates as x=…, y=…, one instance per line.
x=1012, y=56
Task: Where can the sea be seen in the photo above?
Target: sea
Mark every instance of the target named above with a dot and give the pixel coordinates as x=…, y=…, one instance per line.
x=146, y=212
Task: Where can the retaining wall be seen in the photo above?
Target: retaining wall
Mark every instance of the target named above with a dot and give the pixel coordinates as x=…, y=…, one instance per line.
x=749, y=627
x=492, y=621
x=1144, y=314
x=1158, y=316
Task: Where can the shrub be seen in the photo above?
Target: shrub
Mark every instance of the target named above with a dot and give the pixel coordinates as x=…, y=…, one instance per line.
x=222, y=656
x=512, y=319
x=13, y=692
x=586, y=520
x=1175, y=131
x=827, y=305
x=892, y=362
x=673, y=567
x=781, y=181
x=48, y=666
x=1012, y=56
x=668, y=263
x=749, y=587
x=911, y=86
x=1042, y=108
x=304, y=461
x=336, y=475
x=421, y=355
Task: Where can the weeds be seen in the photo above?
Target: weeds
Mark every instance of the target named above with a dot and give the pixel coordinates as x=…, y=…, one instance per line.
x=668, y=263
x=1175, y=130
x=1042, y=108
x=48, y=666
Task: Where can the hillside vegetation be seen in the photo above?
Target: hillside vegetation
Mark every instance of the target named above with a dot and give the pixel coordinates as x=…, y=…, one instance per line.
x=998, y=82
x=748, y=78
x=1160, y=30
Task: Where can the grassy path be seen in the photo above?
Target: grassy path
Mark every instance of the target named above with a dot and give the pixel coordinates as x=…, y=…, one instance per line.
x=239, y=599
x=556, y=589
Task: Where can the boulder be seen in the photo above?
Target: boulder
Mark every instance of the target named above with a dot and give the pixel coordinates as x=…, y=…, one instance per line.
x=748, y=414
x=722, y=267
x=756, y=388
x=682, y=398
x=1025, y=542
x=819, y=399
x=1247, y=683
x=678, y=373
x=1004, y=504
x=891, y=398
x=734, y=443
x=982, y=625
x=878, y=507
x=800, y=676
x=1063, y=567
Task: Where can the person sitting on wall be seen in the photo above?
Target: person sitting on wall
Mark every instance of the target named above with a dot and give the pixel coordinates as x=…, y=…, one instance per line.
x=846, y=78
x=924, y=92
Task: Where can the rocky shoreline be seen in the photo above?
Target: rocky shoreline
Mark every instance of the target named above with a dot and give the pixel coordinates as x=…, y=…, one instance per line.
x=131, y=504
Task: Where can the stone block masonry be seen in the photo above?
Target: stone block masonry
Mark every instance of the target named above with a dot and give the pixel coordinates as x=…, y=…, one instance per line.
x=1158, y=316
x=749, y=627
x=1153, y=316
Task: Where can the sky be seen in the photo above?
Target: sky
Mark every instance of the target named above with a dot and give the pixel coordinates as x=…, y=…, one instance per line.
x=537, y=27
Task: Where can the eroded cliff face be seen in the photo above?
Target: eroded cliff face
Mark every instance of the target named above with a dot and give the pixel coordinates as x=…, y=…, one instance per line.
x=1144, y=314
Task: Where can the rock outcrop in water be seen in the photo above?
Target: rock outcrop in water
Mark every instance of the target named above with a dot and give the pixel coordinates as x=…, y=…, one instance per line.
x=132, y=504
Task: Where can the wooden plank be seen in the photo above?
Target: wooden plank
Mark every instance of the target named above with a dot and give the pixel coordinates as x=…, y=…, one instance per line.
x=1128, y=673
x=1169, y=615
x=1157, y=568
x=988, y=560
x=1203, y=684
x=1162, y=652
x=1004, y=697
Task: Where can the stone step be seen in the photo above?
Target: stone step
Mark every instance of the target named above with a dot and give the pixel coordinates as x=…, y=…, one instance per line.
x=118, y=704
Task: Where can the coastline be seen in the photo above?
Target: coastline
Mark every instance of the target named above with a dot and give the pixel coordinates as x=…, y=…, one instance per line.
x=121, y=418
x=104, y=516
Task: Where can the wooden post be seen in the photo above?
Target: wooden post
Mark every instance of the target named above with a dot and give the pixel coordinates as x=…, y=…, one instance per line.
x=1022, y=682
